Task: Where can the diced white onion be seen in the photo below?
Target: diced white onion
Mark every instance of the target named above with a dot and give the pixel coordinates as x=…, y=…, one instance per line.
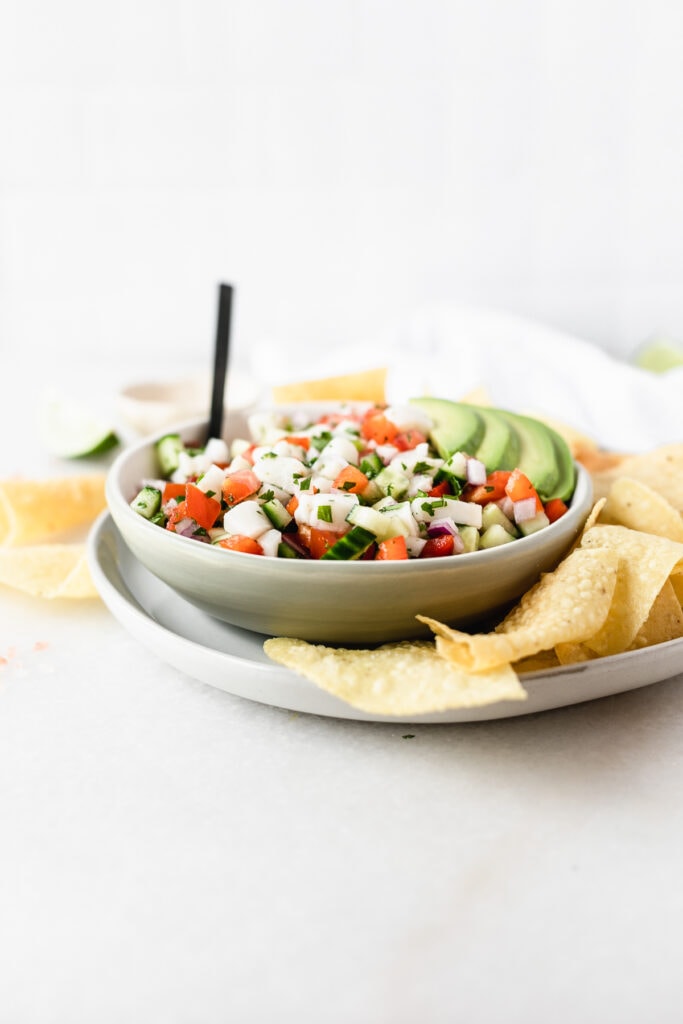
x=212, y=480
x=281, y=471
x=387, y=452
x=415, y=546
x=524, y=509
x=476, y=472
x=466, y=513
x=248, y=519
x=408, y=417
x=339, y=505
x=270, y=541
x=340, y=447
x=216, y=450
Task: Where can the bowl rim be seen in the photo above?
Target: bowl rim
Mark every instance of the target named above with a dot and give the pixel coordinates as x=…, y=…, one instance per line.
x=117, y=502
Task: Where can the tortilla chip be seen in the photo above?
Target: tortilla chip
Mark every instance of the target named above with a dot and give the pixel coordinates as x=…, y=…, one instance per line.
x=645, y=564
x=632, y=503
x=579, y=444
x=35, y=510
x=366, y=386
x=567, y=605
x=660, y=469
x=665, y=621
x=572, y=654
x=405, y=678
x=48, y=570
x=478, y=396
x=541, y=662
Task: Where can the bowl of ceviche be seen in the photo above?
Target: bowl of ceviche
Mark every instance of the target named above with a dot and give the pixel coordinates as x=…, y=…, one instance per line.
x=341, y=523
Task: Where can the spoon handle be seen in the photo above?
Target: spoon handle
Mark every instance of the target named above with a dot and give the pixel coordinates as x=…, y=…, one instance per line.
x=220, y=363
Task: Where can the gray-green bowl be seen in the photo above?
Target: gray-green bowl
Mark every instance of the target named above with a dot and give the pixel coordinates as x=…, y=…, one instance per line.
x=332, y=602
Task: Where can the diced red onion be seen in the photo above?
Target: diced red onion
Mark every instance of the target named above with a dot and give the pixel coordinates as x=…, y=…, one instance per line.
x=442, y=527
x=524, y=509
x=506, y=507
x=185, y=527
x=295, y=545
x=476, y=472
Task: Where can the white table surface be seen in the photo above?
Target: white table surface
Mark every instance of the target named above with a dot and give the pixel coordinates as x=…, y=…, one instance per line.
x=169, y=853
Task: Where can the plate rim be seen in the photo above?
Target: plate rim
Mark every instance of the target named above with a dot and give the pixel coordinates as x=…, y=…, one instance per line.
x=123, y=603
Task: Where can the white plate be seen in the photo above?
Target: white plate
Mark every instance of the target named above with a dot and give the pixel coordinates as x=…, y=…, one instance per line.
x=232, y=659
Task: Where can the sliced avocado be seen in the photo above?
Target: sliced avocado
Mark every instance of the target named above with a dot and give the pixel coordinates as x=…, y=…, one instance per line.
x=499, y=448
x=538, y=455
x=457, y=427
x=567, y=482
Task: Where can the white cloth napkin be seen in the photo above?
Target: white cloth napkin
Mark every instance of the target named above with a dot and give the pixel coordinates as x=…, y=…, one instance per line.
x=448, y=351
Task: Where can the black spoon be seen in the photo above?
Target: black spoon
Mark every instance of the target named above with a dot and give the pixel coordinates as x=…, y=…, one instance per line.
x=220, y=360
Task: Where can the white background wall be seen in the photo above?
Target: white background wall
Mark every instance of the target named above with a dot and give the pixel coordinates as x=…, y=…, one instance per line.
x=343, y=162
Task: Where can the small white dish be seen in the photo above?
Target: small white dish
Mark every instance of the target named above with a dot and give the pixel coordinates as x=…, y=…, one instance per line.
x=335, y=602
x=153, y=405
x=233, y=659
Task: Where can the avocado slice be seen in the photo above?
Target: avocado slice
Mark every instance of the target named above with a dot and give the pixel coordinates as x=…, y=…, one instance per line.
x=500, y=446
x=503, y=440
x=457, y=427
x=567, y=482
x=538, y=455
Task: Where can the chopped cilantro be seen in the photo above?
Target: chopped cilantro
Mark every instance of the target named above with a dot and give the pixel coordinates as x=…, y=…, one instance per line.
x=304, y=485
x=267, y=495
x=421, y=467
x=348, y=485
x=269, y=455
x=325, y=513
x=321, y=441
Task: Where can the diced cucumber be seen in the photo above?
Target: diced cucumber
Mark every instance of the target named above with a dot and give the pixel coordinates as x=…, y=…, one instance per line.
x=351, y=545
x=393, y=482
x=533, y=525
x=168, y=449
x=494, y=537
x=277, y=513
x=286, y=551
x=492, y=514
x=369, y=518
x=371, y=464
x=455, y=482
x=470, y=538
x=147, y=502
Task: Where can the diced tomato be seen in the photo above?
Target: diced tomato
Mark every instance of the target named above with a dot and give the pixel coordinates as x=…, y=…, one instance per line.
x=378, y=428
x=176, y=514
x=171, y=491
x=351, y=479
x=321, y=541
x=240, y=485
x=408, y=439
x=438, y=546
x=492, y=490
x=238, y=542
x=555, y=509
x=520, y=487
x=202, y=508
x=302, y=442
x=392, y=549
x=439, y=490
x=333, y=419
x=292, y=505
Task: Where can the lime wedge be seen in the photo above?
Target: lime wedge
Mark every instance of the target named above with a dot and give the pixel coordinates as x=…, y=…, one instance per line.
x=72, y=431
x=660, y=355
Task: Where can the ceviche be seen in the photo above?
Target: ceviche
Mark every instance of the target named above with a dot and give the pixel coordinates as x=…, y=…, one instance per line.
x=358, y=483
